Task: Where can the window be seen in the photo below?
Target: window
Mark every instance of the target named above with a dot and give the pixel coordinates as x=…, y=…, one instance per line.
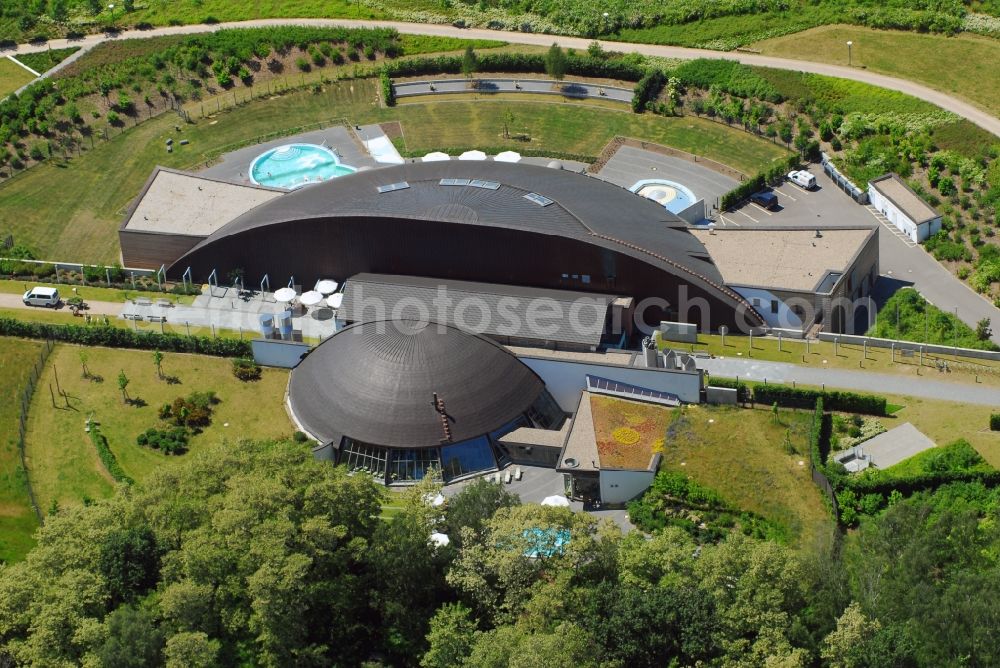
x=467, y=457
x=774, y=306
x=361, y=457
x=545, y=412
x=540, y=200
x=402, y=185
x=412, y=464
x=756, y=302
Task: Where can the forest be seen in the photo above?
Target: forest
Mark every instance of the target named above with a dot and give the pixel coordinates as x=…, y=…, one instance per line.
x=252, y=553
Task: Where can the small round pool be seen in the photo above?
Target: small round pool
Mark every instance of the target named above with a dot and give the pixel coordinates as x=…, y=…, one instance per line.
x=295, y=165
x=672, y=195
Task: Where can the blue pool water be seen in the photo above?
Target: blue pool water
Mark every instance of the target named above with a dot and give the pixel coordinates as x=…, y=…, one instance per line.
x=296, y=165
x=672, y=195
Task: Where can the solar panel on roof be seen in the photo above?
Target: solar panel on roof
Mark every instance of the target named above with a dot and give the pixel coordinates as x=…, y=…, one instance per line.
x=402, y=185
x=540, y=200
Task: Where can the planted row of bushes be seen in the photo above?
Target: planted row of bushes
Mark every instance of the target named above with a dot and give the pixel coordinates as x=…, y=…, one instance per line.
x=114, y=337
x=388, y=92
x=833, y=400
x=648, y=89
x=624, y=68
x=108, y=458
x=774, y=174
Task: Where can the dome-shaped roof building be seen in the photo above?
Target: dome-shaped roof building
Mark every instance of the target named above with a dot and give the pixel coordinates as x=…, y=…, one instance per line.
x=397, y=398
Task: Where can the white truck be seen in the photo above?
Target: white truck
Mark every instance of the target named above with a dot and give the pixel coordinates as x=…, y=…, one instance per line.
x=802, y=179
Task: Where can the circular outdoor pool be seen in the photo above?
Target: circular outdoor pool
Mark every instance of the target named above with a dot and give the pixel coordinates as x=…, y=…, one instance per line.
x=672, y=195
x=295, y=165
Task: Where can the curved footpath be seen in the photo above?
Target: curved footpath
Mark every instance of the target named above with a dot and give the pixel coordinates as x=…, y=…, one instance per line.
x=943, y=100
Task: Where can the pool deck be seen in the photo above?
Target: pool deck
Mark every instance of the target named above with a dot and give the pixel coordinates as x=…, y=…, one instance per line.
x=234, y=167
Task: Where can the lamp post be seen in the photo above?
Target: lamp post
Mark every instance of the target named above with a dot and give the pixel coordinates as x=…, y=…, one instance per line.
x=111, y=8
x=849, y=45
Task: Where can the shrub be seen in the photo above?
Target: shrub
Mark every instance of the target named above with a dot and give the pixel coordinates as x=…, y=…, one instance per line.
x=302, y=64
x=246, y=369
x=107, y=457
x=794, y=397
x=647, y=89
x=193, y=411
x=995, y=422
x=388, y=92
x=172, y=441
x=300, y=437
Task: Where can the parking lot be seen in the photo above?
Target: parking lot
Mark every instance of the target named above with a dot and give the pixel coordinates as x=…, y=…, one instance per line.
x=827, y=205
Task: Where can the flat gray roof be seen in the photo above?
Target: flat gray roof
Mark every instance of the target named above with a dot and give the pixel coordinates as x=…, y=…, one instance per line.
x=896, y=191
x=175, y=202
x=785, y=259
x=486, y=308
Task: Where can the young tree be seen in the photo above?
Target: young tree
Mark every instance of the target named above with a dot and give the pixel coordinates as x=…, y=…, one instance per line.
x=469, y=63
x=595, y=50
x=983, y=330
x=508, y=121
x=451, y=638
x=158, y=361
x=555, y=62
x=83, y=362
x=122, y=385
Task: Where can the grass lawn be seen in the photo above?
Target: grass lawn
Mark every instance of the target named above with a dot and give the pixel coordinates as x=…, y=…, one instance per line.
x=17, y=520
x=12, y=76
x=821, y=354
x=63, y=462
x=81, y=223
x=43, y=61
x=741, y=453
x=957, y=65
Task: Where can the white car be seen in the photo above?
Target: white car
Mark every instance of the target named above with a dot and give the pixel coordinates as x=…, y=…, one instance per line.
x=40, y=296
x=803, y=179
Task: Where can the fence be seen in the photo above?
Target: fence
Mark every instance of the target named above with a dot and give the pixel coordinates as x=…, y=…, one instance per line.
x=22, y=422
x=928, y=349
x=857, y=194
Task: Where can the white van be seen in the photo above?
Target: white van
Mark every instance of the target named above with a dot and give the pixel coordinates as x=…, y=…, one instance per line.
x=803, y=179
x=42, y=297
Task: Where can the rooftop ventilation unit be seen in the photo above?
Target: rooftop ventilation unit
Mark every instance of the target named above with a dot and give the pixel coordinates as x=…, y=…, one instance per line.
x=402, y=185
x=540, y=200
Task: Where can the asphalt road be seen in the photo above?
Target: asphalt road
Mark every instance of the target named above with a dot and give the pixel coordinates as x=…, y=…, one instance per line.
x=95, y=308
x=862, y=381
x=943, y=100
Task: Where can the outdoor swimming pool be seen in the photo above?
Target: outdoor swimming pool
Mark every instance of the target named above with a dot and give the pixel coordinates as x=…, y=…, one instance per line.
x=295, y=165
x=672, y=195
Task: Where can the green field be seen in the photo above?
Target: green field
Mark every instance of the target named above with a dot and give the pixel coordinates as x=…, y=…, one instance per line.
x=12, y=76
x=17, y=520
x=61, y=458
x=43, y=61
x=957, y=65
x=741, y=454
x=81, y=223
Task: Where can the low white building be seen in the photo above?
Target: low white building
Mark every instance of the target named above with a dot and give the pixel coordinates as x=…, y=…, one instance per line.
x=903, y=208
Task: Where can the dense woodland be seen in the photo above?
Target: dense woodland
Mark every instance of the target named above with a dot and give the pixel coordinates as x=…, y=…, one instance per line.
x=254, y=554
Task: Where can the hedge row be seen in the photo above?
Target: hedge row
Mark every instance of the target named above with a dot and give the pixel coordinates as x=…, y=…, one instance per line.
x=108, y=458
x=743, y=394
x=770, y=176
x=114, y=337
x=388, y=92
x=794, y=397
x=583, y=66
x=648, y=89
x=816, y=436
x=917, y=482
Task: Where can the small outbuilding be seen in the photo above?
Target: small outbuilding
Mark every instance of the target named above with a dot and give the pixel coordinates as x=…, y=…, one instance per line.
x=903, y=207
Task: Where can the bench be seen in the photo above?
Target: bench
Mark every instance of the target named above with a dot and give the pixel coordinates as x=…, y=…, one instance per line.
x=156, y=318
x=164, y=302
x=131, y=316
x=142, y=301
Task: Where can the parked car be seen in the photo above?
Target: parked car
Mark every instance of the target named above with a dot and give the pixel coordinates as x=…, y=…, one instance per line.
x=39, y=296
x=802, y=179
x=765, y=199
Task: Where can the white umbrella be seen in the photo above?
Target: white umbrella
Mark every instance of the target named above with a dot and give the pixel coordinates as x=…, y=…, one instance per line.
x=440, y=539
x=326, y=286
x=508, y=156
x=311, y=298
x=436, y=156
x=556, y=501
x=284, y=295
x=472, y=155
x=335, y=300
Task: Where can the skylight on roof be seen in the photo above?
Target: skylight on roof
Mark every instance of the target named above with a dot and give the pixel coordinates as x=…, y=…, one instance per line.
x=453, y=182
x=402, y=185
x=486, y=185
x=540, y=200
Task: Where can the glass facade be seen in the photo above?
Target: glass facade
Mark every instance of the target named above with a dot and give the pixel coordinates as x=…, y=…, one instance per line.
x=483, y=453
x=467, y=457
